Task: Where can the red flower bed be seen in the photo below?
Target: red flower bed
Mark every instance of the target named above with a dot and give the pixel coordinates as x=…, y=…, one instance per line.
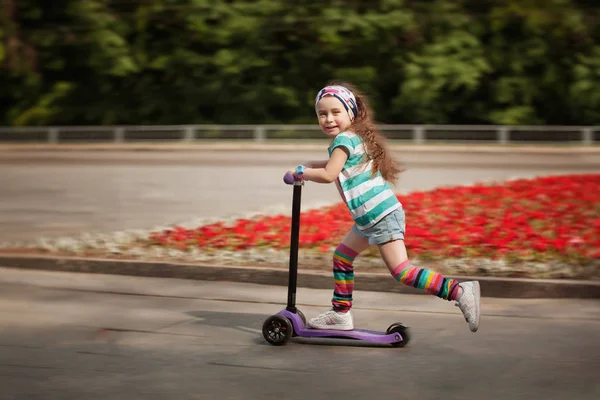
x=528, y=219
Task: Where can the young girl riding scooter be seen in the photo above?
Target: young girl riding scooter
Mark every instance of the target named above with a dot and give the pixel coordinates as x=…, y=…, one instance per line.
x=362, y=168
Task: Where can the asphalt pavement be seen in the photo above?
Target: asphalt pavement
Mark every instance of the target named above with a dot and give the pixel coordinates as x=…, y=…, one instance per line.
x=78, y=336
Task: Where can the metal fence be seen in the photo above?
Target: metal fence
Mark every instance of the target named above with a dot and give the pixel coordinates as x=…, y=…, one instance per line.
x=418, y=134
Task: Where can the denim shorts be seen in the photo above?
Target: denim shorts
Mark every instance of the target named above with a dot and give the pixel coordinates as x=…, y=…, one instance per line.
x=391, y=227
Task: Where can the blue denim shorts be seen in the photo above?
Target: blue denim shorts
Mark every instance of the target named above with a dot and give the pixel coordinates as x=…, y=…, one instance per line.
x=391, y=227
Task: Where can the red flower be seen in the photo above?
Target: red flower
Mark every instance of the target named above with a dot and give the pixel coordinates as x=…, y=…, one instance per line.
x=556, y=215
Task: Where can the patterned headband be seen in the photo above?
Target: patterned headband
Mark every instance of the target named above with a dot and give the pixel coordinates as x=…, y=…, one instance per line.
x=342, y=94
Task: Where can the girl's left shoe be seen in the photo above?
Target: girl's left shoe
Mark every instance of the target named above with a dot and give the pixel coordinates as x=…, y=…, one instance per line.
x=470, y=303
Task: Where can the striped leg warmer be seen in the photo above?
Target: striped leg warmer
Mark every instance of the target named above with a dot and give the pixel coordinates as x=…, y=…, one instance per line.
x=432, y=282
x=343, y=275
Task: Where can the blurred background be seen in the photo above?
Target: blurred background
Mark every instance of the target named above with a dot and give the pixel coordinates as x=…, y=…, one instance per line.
x=171, y=62
x=120, y=119
x=219, y=76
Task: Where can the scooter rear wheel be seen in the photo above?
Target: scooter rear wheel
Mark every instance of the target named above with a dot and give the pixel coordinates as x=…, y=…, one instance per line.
x=403, y=330
x=277, y=330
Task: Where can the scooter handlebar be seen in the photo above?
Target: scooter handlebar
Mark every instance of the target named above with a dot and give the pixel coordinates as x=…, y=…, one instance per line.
x=289, y=178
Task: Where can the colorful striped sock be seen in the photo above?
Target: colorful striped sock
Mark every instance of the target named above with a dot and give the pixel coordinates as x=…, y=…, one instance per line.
x=432, y=282
x=343, y=275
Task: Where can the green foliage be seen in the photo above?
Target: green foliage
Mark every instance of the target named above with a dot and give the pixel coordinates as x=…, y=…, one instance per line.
x=262, y=61
x=451, y=65
x=584, y=96
x=47, y=106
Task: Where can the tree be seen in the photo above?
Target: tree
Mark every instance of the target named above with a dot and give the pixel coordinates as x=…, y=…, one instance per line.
x=262, y=61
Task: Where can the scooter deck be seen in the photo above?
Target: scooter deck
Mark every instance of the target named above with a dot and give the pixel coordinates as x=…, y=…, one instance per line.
x=357, y=334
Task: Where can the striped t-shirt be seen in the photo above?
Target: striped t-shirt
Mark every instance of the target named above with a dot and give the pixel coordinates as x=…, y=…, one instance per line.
x=369, y=198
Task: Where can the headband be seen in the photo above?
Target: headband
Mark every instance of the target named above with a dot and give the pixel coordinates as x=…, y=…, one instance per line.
x=342, y=94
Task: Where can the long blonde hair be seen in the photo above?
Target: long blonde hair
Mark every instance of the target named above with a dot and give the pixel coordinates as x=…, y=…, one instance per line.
x=376, y=144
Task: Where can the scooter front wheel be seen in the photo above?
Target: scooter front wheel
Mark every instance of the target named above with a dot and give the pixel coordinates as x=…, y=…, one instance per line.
x=277, y=330
x=403, y=330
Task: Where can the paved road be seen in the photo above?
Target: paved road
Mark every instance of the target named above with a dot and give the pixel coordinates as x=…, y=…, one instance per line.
x=77, y=336
x=52, y=193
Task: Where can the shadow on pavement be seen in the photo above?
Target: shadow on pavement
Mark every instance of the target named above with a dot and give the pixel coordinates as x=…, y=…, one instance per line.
x=253, y=323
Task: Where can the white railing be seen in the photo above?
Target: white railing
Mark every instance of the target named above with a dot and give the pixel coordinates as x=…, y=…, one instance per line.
x=419, y=134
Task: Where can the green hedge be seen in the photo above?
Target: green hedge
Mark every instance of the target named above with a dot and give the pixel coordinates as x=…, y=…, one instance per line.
x=215, y=61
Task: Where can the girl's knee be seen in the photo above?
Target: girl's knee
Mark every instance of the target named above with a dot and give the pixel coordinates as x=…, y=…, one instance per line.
x=345, y=251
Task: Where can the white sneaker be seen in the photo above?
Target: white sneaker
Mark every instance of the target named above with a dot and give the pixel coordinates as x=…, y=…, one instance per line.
x=333, y=320
x=469, y=303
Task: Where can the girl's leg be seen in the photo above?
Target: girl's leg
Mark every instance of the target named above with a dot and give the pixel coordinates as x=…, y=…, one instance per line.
x=396, y=259
x=343, y=270
x=339, y=317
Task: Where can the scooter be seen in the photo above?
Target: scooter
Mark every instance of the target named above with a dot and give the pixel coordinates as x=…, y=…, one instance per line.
x=278, y=329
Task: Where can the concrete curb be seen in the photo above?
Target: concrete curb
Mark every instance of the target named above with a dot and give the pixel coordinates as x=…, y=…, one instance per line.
x=294, y=146
x=377, y=282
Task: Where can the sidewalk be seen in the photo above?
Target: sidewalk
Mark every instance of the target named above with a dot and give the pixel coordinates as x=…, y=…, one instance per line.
x=86, y=336
x=375, y=282
x=241, y=292
x=309, y=145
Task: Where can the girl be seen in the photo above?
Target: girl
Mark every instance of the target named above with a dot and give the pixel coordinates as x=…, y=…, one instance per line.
x=362, y=168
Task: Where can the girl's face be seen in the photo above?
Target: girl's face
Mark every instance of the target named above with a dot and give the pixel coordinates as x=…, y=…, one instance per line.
x=333, y=117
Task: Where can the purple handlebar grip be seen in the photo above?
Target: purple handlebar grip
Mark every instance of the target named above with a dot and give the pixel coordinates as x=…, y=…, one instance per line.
x=288, y=178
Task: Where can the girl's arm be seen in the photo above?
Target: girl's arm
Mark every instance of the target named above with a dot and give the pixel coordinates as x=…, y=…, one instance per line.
x=316, y=164
x=331, y=170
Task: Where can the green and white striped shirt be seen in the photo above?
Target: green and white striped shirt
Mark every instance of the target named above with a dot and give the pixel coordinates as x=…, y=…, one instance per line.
x=369, y=198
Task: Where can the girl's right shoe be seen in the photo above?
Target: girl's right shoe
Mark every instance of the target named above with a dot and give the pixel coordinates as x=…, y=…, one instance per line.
x=333, y=320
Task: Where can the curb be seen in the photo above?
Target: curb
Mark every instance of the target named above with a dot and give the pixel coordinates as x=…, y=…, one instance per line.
x=294, y=146
x=518, y=288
